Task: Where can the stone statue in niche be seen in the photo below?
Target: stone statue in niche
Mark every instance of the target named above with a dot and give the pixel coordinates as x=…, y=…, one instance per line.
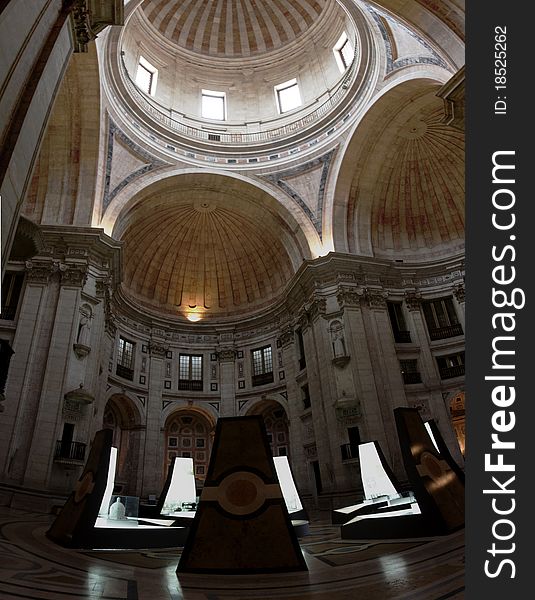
x=82, y=346
x=337, y=339
x=340, y=354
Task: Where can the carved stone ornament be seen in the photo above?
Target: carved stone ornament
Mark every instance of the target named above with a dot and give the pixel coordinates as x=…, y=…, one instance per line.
x=74, y=275
x=102, y=288
x=303, y=319
x=375, y=298
x=38, y=272
x=90, y=17
x=226, y=355
x=317, y=308
x=349, y=296
x=341, y=361
x=157, y=349
x=413, y=300
x=459, y=292
x=287, y=336
x=81, y=350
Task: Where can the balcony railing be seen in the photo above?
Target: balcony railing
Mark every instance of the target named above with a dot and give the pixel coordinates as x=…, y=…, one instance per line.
x=402, y=337
x=190, y=385
x=125, y=372
x=349, y=451
x=69, y=451
x=440, y=333
x=263, y=378
x=449, y=372
x=413, y=377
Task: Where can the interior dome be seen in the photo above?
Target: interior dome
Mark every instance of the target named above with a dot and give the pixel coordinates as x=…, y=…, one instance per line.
x=232, y=28
x=200, y=252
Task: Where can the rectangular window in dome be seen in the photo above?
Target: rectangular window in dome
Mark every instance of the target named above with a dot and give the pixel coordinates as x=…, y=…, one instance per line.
x=288, y=96
x=146, y=76
x=214, y=105
x=125, y=359
x=344, y=52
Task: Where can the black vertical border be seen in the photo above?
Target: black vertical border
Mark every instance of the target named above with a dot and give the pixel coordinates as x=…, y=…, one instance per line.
x=488, y=133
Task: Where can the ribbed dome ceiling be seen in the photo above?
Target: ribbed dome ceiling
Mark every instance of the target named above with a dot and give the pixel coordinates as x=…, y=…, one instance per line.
x=232, y=28
x=420, y=202
x=197, y=250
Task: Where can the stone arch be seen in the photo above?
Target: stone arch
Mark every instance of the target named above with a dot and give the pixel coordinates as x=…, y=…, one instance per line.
x=122, y=416
x=276, y=420
x=189, y=432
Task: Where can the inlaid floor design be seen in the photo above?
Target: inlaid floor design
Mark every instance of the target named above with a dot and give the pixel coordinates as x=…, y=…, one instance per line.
x=33, y=567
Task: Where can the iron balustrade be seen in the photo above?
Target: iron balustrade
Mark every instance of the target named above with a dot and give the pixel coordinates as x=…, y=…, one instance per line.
x=440, y=333
x=125, y=372
x=402, y=337
x=349, y=451
x=412, y=377
x=449, y=372
x=190, y=385
x=69, y=450
x=263, y=379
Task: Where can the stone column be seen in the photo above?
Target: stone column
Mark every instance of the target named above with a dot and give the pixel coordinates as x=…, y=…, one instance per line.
x=31, y=343
x=50, y=416
x=295, y=410
x=152, y=459
x=388, y=379
x=227, y=381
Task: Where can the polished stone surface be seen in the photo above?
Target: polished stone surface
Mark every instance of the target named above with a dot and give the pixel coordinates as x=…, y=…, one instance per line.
x=31, y=566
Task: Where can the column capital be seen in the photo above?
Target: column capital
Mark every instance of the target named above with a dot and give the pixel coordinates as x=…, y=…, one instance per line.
x=157, y=349
x=375, y=298
x=286, y=336
x=349, y=296
x=226, y=354
x=413, y=300
x=459, y=292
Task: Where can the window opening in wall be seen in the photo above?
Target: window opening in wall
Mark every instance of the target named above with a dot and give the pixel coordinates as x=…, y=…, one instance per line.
x=397, y=320
x=317, y=476
x=344, y=52
x=409, y=371
x=300, y=349
x=125, y=359
x=11, y=289
x=262, y=365
x=441, y=318
x=351, y=450
x=451, y=365
x=213, y=105
x=190, y=372
x=146, y=76
x=288, y=95
x=305, y=392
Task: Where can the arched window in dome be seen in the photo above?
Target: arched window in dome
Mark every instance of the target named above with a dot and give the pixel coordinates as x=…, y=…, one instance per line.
x=146, y=76
x=288, y=95
x=214, y=105
x=344, y=52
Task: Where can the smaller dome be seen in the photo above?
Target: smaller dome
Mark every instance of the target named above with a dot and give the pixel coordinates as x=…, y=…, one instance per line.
x=204, y=252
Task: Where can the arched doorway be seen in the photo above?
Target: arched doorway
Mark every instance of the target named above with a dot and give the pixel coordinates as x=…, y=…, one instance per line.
x=122, y=416
x=189, y=434
x=276, y=421
x=458, y=418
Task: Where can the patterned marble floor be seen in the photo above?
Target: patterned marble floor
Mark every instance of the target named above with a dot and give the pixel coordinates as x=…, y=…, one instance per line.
x=33, y=567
